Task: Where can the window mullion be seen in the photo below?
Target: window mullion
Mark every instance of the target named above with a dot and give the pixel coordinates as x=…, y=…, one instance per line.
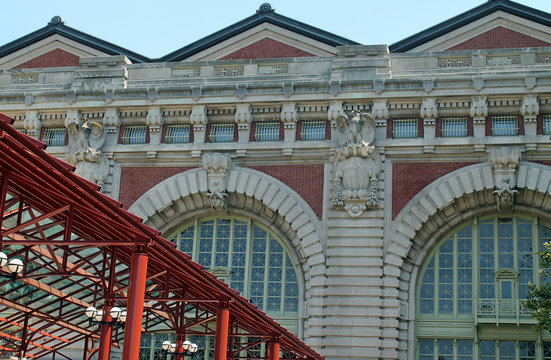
x=213, y=247
x=248, y=265
x=475, y=246
x=195, y=240
x=266, y=272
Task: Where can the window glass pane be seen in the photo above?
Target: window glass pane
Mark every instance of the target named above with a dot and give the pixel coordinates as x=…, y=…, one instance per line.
x=405, y=128
x=313, y=130
x=445, y=349
x=267, y=131
x=54, y=136
x=504, y=125
x=426, y=349
x=506, y=350
x=527, y=350
x=454, y=126
x=177, y=134
x=464, y=271
x=221, y=133
x=547, y=124
x=464, y=349
x=547, y=350
x=445, y=278
x=427, y=290
x=134, y=134
x=487, y=350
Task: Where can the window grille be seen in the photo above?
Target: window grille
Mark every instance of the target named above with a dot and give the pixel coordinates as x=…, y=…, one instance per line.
x=430, y=349
x=220, y=133
x=504, y=125
x=313, y=130
x=405, y=128
x=546, y=124
x=177, y=134
x=454, y=127
x=54, y=136
x=134, y=134
x=267, y=131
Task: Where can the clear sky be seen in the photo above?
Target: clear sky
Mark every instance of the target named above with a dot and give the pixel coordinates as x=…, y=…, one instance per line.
x=154, y=28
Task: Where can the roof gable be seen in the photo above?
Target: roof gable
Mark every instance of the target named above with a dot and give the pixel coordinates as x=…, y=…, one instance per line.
x=472, y=23
x=56, y=28
x=500, y=38
x=265, y=18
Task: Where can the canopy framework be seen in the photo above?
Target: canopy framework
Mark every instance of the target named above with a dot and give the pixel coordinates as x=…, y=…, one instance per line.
x=77, y=246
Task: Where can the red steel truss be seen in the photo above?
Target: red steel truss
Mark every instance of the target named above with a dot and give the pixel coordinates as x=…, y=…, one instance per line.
x=81, y=249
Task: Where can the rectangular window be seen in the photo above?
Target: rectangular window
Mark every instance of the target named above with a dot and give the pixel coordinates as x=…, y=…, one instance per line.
x=405, y=128
x=313, y=130
x=504, y=125
x=267, y=131
x=220, y=133
x=546, y=124
x=454, y=127
x=134, y=134
x=177, y=134
x=54, y=136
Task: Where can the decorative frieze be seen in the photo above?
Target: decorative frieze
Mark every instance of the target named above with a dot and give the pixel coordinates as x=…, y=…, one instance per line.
x=24, y=78
x=273, y=69
x=229, y=71
x=186, y=72
x=455, y=61
x=503, y=60
x=543, y=58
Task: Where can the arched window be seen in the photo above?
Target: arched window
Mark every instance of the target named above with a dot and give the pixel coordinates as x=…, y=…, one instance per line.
x=470, y=292
x=248, y=257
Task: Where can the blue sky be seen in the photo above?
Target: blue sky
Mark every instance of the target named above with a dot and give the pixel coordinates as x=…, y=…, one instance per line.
x=155, y=28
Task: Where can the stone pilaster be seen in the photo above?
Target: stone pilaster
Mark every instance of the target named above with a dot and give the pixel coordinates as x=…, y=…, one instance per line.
x=335, y=109
x=429, y=113
x=289, y=116
x=243, y=118
x=154, y=121
x=380, y=114
x=530, y=110
x=199, y=120
x=32, y=124
x=112, y=123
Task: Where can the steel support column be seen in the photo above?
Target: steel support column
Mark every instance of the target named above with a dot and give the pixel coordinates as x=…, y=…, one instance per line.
x=222, y=328
x=106, y=333
x=273, y=350
x=136, y=295
x=180, y=347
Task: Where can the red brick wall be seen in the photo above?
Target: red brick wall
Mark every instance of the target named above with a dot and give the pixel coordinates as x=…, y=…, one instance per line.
x=135, y=181
x=54, y=58
x=267, y=49
x=410, y=178
x=306, y=180
x=499, y=38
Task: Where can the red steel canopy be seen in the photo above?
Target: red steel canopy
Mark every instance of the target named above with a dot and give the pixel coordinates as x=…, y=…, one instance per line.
x=78, y=246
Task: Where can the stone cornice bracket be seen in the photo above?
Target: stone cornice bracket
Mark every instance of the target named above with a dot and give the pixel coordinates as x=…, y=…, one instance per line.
x=380, y=111
x=289, y=115
x=429, y=110
x=198, y=117
x=335, y=109
x=479, y=108
x=243, y=116
x=217, y=166
x=504, y=164
x=154, y=118
x=111, y=120
x=32, y=123
x=530, y=108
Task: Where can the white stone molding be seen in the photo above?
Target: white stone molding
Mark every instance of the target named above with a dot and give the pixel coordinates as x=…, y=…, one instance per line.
x=198, y=120
x=217, y=166
x=289, y=116
x=32, y=124
x=255, y=194
x=243, y=119
x=479, y=111
x=154, y=119
x=530, y=110
x=436, y=210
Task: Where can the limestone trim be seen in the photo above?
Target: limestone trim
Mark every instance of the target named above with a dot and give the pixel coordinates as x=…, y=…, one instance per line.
x=445, y=203
x=184, y=196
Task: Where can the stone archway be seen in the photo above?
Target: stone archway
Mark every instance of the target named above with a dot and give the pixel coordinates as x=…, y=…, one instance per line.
x=454, y=198
x=253, y=193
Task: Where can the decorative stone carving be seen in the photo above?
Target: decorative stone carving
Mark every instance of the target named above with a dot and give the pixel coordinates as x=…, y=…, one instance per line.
x=530, y=108
x=357, y=164
x=429, y=110
x=479, y=108
x=86, y=139
x=243, y=116
x=504, y=163
x=289, y=116
x=199, y=116
x=32, y=123
x=154, y=119
x=111, y=120
x=217, y=166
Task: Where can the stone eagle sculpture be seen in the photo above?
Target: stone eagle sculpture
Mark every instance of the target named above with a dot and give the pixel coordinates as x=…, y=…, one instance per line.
x=358, y=128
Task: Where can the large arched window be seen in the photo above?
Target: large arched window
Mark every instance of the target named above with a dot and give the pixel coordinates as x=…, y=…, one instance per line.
x=248, y=257
x=470, y=292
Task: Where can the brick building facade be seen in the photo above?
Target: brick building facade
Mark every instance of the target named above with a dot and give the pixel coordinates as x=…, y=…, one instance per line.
x=406, y=185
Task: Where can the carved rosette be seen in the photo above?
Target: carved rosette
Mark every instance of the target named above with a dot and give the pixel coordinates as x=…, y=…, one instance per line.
x=504, y=163
x=217, y=166
x=357, y=165
x=85, y=153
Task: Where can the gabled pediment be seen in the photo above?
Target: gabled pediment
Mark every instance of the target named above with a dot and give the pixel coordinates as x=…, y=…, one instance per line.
x=57, y=45
x=263, y=35
x=497, y=24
